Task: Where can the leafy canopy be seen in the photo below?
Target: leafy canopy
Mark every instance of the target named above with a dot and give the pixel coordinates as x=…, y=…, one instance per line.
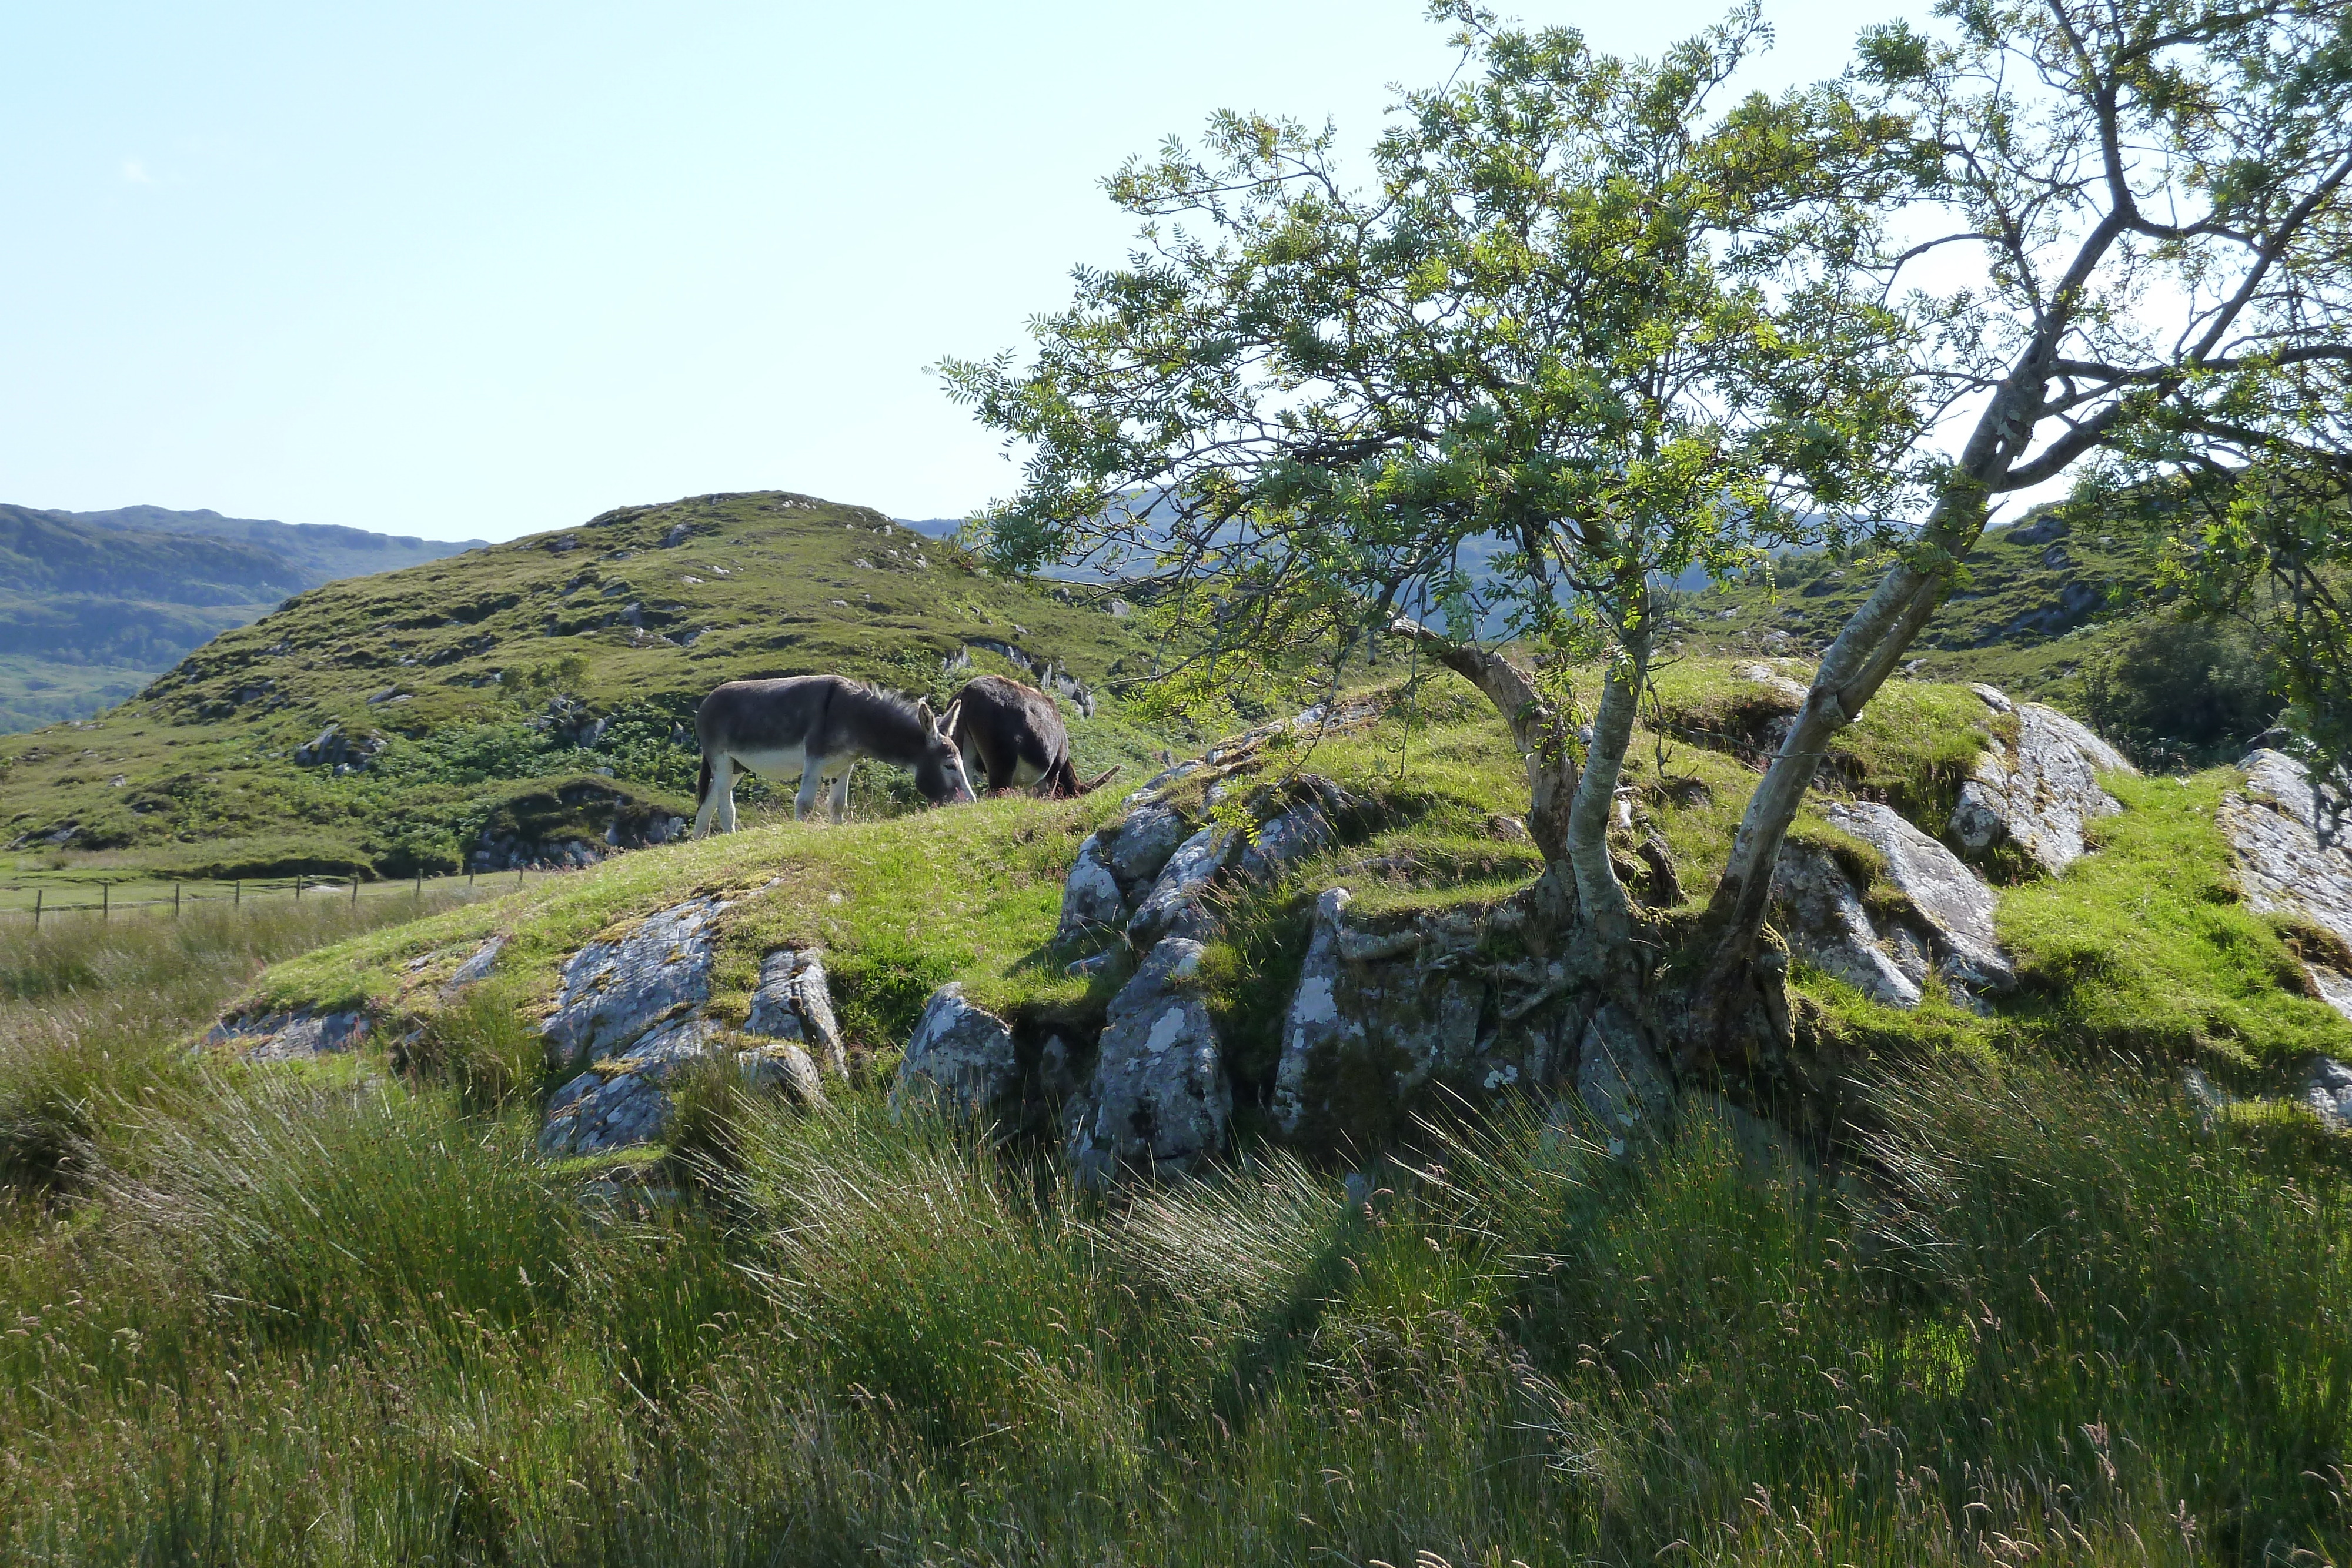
x=1585, y=327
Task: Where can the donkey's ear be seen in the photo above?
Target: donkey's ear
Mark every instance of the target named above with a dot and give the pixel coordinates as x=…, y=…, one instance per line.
x=923, y=712
x=948, y=720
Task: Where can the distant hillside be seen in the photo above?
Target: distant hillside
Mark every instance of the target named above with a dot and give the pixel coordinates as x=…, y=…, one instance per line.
x=94, y=604
x=535, y=692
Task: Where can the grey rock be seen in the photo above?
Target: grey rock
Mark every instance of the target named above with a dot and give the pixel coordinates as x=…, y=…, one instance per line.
x=962, y=1059
x=1285, y=839
x=2038, y=790
x=1092, y=896
x=794, y=1002
x=1377, y=1023
x=1137, y=846
x=1955, y=903
x=783, y=1068
x=625, y=1100
x=614, y=992
x=475, y=968
x=1620, y=1080
x=1160, y=1101
x=2327, y=1090
x=1949, y=927
x=1772, y=680
x=1172, y=907
x=290, y=1036
x=1315, y=1027
x=2281, y=865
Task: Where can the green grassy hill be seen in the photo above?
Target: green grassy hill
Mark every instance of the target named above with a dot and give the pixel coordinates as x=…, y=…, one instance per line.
x=2051, y=1307
x=97, y=603
x=467, y=692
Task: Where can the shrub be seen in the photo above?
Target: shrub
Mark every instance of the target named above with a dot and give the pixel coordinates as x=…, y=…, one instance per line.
x=2179, y=692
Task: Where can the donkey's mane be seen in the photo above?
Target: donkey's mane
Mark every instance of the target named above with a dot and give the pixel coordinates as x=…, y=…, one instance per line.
x=890, y=705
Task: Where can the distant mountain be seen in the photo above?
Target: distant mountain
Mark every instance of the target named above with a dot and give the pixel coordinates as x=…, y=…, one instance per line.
x=321, y=552
x=94, y=604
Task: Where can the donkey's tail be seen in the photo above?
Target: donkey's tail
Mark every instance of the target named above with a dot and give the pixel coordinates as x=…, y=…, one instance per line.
x=702, y=784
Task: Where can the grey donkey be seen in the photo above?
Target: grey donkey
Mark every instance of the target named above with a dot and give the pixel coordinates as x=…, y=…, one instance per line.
x=814, y=728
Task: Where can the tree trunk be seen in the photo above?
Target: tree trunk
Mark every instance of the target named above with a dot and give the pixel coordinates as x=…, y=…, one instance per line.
x=1540, y=732
x=1723, y=1019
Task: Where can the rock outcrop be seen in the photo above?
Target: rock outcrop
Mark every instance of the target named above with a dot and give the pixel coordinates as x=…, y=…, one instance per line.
x=1159, y=1101
x=1939, y=920
x=2273, y=839
x=1383, y=1018
x=963, y=1059
x=2327, y=1090
x=630, y=1017
x=794, y=1003
x=295, y=1036
x=2038, y=790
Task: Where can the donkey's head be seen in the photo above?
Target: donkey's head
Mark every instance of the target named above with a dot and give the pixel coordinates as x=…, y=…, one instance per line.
x=939, y=769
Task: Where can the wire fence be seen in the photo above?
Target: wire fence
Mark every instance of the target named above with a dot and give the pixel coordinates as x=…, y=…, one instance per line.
x=85, y=898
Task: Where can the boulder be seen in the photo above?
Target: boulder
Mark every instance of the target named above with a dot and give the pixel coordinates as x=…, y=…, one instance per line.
x=1137, y=846
x=794, y=1003
x=1943, y=924
x=614, y=992
x=294, y=1036
x=1092, y=896
x=2327, y=1090
x=962, y=1059
x=1172, y=907
x=2282, y=866
x=783, y=1067
x=624, y=1100
x=475, y=968
x=2038, y=790
x=1383, y=1020
x=1305, y=826
x=1159, y=1101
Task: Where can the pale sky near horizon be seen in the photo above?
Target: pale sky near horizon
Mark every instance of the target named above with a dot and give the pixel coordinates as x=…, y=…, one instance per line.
x=479, y=269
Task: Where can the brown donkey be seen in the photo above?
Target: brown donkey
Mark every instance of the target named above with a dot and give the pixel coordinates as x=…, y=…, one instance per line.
x=814, y=728
x=1016, y=733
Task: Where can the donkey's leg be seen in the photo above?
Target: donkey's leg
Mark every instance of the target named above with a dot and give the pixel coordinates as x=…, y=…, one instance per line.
x=718, y=796
x=812, y=767
x=838, y=806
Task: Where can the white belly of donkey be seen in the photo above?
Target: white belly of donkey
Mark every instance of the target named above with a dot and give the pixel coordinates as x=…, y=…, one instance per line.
x=785, y=763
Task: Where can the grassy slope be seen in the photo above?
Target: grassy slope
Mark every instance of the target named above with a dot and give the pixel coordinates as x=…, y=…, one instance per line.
x=466, y=650
x=1975, y=636
x=281, y=1318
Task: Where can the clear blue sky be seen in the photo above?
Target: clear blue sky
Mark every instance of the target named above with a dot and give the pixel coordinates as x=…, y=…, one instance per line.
x=482, y=269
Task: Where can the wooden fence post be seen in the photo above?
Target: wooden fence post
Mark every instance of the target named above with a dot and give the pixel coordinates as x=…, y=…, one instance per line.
x=238, y=897
x=175, y=901
x=37, y=909
x=106, y=901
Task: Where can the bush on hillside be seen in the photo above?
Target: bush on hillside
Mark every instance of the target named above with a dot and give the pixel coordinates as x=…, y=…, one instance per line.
x=2179, y=692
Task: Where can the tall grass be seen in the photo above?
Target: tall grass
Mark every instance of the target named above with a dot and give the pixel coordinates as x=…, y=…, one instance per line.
x=2062, y=1317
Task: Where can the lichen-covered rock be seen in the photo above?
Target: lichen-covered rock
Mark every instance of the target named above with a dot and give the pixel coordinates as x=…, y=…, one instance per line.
x=794, y=1003
x=1620, y=1080
x=1160, y=1101
x=2281, y=865
x=1945, y=923
x=963, y=1057
x=783, y=1067
x=624, y=1100
x=614, y=992
x=1381, y=1018
x=2327, y=1090
x=1172, y=907
x=290, y=1036
x=2039, y=791
x=1092, y=895
x=1305, y=826
x=1137, y=846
